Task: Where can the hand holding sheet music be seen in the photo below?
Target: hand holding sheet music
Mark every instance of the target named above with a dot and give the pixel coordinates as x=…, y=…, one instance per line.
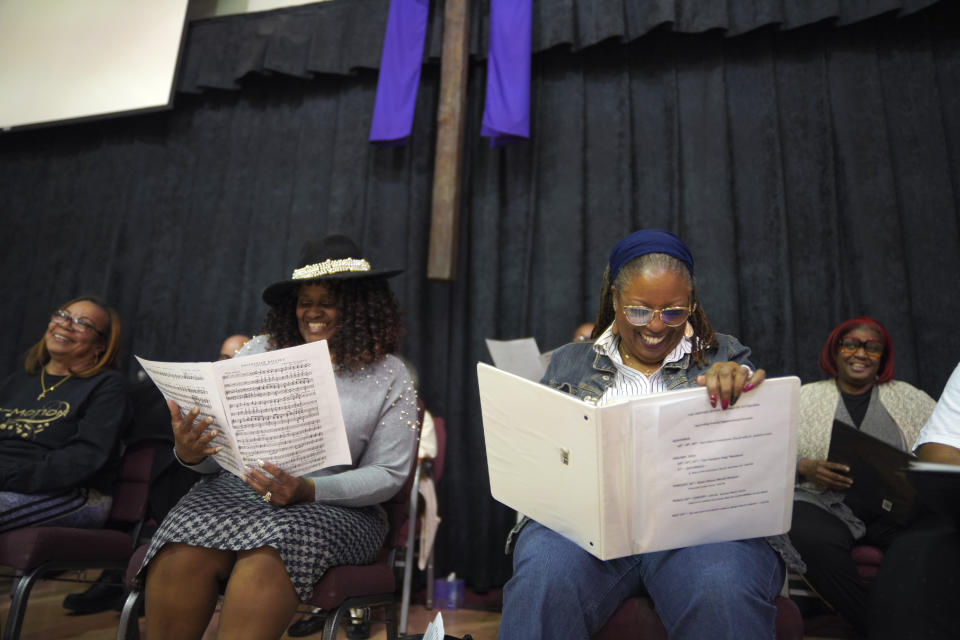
x=281, y=406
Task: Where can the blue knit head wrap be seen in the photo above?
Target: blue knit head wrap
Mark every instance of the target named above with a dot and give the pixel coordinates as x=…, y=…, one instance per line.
x=640, y=243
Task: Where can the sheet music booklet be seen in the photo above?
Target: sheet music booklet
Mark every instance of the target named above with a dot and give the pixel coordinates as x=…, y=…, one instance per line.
x=880, y=487
x=656, y=472
x=280, y=406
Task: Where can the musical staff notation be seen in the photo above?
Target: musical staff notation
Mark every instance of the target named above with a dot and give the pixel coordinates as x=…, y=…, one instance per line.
x=280, y=406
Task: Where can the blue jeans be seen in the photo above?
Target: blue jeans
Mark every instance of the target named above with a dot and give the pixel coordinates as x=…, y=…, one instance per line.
x=722, y=590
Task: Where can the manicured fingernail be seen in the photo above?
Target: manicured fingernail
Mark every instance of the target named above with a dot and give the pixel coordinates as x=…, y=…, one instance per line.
x=733, y=400
x=713, y=401
x=218, y=449
x=724, y=403
x=748, y=386
x=260, y=463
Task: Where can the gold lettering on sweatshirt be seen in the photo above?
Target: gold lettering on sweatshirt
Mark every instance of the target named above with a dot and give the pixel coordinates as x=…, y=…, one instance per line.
x=28, y=423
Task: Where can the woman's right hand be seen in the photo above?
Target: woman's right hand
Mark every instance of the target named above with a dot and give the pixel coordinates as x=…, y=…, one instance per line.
x=829, y=474
x=190, y=442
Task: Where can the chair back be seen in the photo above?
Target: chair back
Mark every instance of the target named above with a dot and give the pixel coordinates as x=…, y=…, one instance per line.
x=398, y=507
x=132, y=486
x=440, y=427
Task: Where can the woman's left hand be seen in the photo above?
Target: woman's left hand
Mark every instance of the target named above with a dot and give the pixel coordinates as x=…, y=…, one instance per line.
x=280, y=490
x=725, y=381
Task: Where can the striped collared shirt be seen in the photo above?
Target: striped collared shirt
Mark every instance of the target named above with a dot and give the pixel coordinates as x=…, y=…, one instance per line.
x=630, y=383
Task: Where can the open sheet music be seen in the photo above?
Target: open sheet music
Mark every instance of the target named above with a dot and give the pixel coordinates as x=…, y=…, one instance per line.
x=656, y=472
x=280, y=406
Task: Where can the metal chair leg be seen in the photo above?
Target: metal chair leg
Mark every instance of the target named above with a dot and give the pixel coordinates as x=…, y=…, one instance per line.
x=430, y=577
x=390, y=618
x=129, y=626
x=18, y=603
x=332, y=623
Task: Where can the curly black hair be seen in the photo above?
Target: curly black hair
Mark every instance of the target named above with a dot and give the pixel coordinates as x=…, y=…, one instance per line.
x=702, y=328
x=368, y=326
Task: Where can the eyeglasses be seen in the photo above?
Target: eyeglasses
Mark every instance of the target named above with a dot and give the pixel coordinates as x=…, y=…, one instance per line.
x=79, y=325
x=873, y=348
x=672, y=316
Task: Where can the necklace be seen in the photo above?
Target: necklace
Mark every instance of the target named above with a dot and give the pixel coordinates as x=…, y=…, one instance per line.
x=646, y=370
x=43, y=385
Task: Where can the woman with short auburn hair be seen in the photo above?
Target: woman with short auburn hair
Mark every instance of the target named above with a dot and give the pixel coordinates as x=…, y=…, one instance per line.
x=828, y=521
x=61, y=420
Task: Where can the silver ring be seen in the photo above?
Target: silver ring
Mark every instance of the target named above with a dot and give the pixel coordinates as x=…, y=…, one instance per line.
x=266, y=497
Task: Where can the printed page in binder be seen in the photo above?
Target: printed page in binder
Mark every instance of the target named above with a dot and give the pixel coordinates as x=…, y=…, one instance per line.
x=280, y=406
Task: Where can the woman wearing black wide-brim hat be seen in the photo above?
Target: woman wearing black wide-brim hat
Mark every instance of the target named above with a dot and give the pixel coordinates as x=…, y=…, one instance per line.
x=272, y=536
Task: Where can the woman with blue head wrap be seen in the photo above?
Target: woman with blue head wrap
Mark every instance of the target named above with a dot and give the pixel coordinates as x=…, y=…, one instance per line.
x=651, y=335
x=649, y=261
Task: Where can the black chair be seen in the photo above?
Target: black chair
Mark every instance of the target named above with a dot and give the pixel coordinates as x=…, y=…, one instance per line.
x=38, y=552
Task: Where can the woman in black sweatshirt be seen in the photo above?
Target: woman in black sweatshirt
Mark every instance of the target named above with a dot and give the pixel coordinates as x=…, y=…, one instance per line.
x=61, y=418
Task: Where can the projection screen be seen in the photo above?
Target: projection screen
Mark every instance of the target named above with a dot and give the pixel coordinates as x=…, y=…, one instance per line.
x=64, y=60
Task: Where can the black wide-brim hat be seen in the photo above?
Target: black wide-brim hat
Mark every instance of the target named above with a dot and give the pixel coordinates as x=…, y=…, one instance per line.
x=334, y=257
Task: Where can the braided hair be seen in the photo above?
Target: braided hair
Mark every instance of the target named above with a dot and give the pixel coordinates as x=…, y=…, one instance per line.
x=704, y=337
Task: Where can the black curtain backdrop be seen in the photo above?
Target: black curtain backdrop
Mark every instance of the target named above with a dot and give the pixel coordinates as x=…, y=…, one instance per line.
x=809, y=153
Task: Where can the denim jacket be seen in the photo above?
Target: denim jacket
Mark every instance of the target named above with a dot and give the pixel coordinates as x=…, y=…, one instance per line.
x=577, y=368
x=580, y=370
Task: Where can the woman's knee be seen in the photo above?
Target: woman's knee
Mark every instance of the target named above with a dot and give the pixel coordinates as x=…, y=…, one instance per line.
x=176, y=561
x=548, y=568
x=728, y=570
x=548, y=558
x=740, y=570
x=260, y=566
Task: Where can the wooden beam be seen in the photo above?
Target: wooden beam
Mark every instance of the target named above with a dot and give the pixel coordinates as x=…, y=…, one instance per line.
x=448, y=158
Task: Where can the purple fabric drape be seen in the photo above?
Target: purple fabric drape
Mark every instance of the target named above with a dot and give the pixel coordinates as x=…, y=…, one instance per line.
x=400, y=64
x=506, y=112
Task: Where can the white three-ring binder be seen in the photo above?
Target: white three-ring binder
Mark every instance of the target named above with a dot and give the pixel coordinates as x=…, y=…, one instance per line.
x=657, y=472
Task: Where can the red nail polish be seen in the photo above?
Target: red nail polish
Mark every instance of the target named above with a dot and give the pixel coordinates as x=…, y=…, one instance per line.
x=748, y=386
x=723, y=403
x=713, y=401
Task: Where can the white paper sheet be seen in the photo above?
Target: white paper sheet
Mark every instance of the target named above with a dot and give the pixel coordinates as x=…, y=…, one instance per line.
x=717, y=473
x=435, y=629
x=520, y=357
x=280, y=406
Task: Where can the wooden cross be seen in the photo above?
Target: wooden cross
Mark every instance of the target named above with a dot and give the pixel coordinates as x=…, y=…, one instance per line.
x=448, y=158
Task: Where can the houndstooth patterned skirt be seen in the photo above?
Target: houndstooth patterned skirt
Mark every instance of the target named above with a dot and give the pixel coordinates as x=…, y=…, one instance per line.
x=222, y=512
